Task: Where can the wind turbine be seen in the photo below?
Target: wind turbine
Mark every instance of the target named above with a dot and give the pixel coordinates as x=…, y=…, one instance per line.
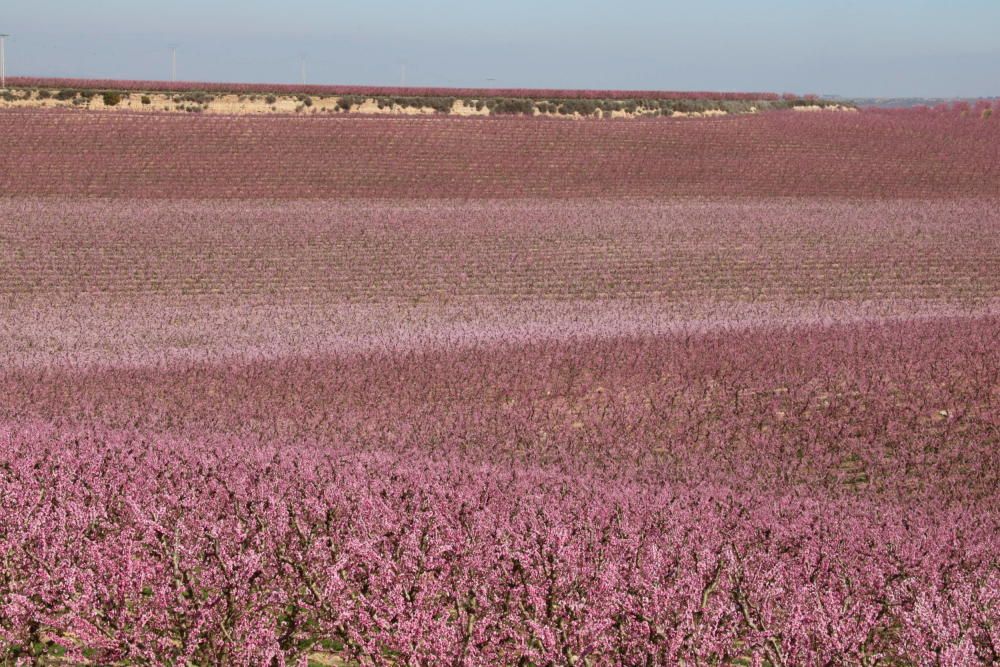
x=3, y=60
x=173, y=62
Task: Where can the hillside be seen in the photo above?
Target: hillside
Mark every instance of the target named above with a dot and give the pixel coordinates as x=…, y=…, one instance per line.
x=229, y=98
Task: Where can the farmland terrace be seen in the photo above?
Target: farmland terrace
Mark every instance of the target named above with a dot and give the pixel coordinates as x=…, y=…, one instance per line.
x=301, y=388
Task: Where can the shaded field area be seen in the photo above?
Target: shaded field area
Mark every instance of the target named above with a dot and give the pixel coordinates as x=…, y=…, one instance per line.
x=869, y=154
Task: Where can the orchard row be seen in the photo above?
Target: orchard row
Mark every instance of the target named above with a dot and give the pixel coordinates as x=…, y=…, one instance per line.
x=856, y=155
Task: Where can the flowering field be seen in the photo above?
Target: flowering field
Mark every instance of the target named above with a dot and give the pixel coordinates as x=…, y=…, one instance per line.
x=913, y=154
x=502, y=392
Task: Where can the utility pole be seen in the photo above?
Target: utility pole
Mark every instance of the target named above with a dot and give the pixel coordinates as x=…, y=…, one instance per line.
x=402, y=74
x=302, y=63
x=173, y=63
x=3, y=60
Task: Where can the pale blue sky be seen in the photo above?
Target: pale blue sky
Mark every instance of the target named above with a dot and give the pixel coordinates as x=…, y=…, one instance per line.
x=847, y=47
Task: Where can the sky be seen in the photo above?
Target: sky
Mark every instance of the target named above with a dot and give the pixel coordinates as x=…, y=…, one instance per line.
x=869, y=48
